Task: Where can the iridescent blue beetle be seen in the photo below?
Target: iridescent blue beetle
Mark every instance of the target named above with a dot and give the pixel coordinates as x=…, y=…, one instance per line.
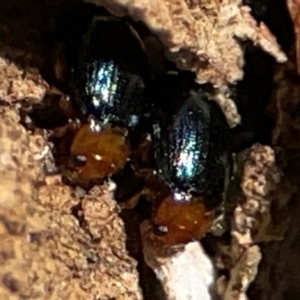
x=191, y=151
x=190, y=136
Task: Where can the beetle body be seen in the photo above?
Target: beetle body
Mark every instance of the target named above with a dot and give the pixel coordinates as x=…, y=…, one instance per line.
x=190, y=148
x=110, y=78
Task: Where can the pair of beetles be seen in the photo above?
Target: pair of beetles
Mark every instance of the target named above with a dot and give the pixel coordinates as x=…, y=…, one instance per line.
x=124, y=102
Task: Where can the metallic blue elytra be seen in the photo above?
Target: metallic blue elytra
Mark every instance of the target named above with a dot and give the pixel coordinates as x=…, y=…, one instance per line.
x=189, y=149
x=101, y=86
x=107, y=70
x=189, y=145
x=112, y=95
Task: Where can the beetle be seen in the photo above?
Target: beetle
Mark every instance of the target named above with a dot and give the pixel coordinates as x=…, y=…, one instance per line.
x=192, y=156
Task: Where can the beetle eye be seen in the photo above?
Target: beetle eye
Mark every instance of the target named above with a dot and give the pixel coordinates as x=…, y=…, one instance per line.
x=79, y=160
x=159, y=230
